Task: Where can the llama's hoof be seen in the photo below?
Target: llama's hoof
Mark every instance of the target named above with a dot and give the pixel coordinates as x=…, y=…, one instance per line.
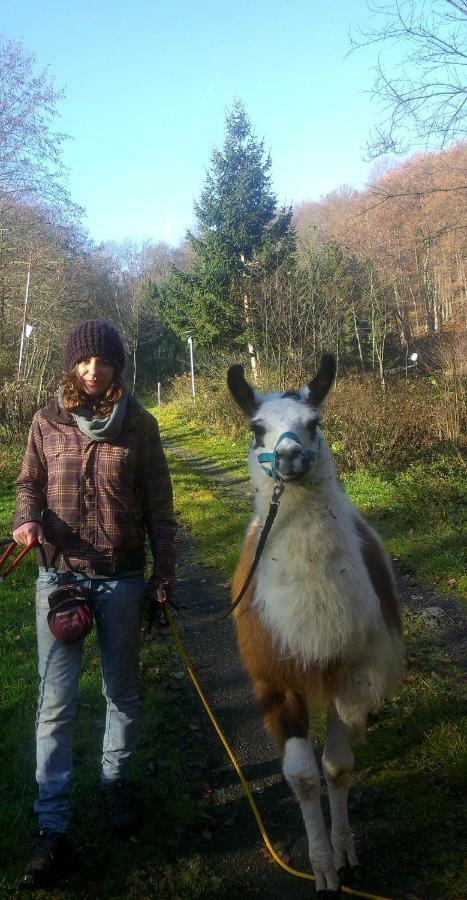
x=345, y=857
x=326, y=883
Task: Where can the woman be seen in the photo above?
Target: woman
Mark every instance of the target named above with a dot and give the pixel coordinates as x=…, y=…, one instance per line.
x=94, y=484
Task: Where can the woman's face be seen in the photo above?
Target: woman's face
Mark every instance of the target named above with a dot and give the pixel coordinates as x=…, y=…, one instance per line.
x=96, y=374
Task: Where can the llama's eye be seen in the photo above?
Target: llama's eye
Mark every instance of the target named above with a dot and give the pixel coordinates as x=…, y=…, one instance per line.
x=311, y=427
x=259, y=432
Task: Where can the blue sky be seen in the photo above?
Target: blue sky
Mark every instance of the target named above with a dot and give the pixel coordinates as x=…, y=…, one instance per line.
x=148, y=83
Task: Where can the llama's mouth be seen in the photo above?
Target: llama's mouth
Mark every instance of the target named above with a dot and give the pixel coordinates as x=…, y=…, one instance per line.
x=292, y=469
x=293, y=476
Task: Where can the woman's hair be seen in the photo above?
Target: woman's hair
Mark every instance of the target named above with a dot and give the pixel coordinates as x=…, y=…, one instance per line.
x=75, y=396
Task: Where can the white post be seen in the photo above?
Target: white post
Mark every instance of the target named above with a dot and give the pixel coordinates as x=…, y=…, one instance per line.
x=190, y=344
x=246, y=307
x=158, y=393
x=23, y=328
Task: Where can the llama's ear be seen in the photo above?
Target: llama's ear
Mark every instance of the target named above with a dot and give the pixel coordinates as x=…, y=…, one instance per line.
x=321, y=383
x=242, y=392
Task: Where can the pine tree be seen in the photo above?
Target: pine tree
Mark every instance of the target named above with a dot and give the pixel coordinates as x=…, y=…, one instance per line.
x=240, y=236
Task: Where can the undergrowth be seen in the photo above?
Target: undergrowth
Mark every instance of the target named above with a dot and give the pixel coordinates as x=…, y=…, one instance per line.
x=405, y=424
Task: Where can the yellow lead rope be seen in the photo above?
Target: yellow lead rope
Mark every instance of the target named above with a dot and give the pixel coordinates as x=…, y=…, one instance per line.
x=239, y=772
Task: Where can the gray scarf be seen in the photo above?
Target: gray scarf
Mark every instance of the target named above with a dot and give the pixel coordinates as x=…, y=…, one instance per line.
x=106, y=429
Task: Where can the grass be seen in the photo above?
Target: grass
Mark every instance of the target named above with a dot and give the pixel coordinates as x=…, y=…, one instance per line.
x=407, y=802
x=421, y=514
x=412, y=774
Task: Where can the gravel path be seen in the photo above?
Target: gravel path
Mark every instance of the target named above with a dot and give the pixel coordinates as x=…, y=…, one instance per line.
x=230, y=840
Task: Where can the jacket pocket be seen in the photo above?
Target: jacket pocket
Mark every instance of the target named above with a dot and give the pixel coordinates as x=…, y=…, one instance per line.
x=117, y=527
x=63, y=494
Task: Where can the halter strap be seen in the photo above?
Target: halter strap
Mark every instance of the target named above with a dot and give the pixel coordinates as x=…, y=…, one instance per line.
x=272, y=458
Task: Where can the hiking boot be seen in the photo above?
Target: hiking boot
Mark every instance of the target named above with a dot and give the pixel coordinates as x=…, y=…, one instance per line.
x=122, y=805
x=52, y=857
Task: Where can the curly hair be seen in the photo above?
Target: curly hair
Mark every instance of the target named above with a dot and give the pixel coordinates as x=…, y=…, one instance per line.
x=74, y=396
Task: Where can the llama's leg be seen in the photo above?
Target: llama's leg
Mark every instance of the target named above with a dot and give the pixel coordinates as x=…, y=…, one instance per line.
x=302, y=773
x=286, y=717
x=338, y=761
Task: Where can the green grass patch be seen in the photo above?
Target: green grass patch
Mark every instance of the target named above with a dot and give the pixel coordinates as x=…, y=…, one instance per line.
x=421, y=515
x=199, y=440
x=217, y=523
x=215, y=515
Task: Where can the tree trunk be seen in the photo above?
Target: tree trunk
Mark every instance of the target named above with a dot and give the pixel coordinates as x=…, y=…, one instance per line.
x=357, y=335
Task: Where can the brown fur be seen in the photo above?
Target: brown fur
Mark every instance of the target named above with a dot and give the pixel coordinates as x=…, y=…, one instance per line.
x=281, y=683
x=380, y=572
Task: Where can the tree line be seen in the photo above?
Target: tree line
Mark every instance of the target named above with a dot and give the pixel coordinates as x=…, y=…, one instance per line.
x=372, y=275
x=375, y=276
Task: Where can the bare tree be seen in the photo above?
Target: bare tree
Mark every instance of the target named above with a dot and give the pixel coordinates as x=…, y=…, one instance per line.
x=31, y=166
x=423, y=92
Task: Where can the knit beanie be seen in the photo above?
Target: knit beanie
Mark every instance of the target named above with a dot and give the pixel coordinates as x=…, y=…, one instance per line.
x=94, y=337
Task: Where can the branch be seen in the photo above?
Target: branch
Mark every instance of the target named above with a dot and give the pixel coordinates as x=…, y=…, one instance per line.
x=385, y=197
x=456, y=6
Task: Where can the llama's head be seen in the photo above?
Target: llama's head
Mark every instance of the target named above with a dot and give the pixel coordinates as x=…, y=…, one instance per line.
x=285, y=426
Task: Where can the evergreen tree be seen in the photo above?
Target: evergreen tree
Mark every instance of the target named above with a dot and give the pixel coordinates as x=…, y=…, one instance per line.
x=160, y=353
x=240, y=237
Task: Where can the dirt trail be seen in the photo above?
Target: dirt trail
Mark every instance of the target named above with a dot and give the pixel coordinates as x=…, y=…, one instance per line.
x=229, y=838
x=232, y=843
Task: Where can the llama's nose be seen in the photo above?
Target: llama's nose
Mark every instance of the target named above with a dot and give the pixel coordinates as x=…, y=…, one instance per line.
x=292, y=461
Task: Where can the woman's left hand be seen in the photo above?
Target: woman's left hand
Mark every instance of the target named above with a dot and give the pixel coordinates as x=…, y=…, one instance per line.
x=158, y=593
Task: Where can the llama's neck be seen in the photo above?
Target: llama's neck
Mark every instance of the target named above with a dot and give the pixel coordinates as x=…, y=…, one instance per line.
x=313, y=590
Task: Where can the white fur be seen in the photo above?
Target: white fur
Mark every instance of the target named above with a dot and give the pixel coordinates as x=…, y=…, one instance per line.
x=314, y=595
x=301, y=772
x=338, y=762
x=313, y=590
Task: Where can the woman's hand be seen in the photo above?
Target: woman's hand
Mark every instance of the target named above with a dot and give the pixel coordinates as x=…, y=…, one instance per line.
x=158, y=593
x=28, y=532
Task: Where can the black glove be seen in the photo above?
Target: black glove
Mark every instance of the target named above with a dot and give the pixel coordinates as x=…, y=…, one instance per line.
x=158, y=592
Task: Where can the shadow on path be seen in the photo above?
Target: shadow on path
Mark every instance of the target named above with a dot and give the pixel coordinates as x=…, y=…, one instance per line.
x=235, y=849
x=205, y=465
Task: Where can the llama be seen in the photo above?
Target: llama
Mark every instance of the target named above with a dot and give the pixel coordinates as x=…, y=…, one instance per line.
x=319, y=624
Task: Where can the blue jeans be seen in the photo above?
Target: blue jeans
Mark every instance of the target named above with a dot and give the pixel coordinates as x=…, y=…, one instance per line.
x=118, y=607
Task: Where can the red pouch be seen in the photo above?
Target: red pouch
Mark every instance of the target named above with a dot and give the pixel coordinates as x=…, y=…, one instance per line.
x=70, y=616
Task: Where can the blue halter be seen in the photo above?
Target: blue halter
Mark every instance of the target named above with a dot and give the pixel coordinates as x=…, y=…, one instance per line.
x=272, y=458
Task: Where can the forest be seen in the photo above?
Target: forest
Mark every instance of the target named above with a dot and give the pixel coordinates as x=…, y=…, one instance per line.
x=377, y=276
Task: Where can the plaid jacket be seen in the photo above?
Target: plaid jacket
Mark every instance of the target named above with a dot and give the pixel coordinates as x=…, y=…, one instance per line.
x=97, y=501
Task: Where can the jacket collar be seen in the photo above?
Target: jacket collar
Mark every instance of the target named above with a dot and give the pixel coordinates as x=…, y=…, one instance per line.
x=54, y=413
